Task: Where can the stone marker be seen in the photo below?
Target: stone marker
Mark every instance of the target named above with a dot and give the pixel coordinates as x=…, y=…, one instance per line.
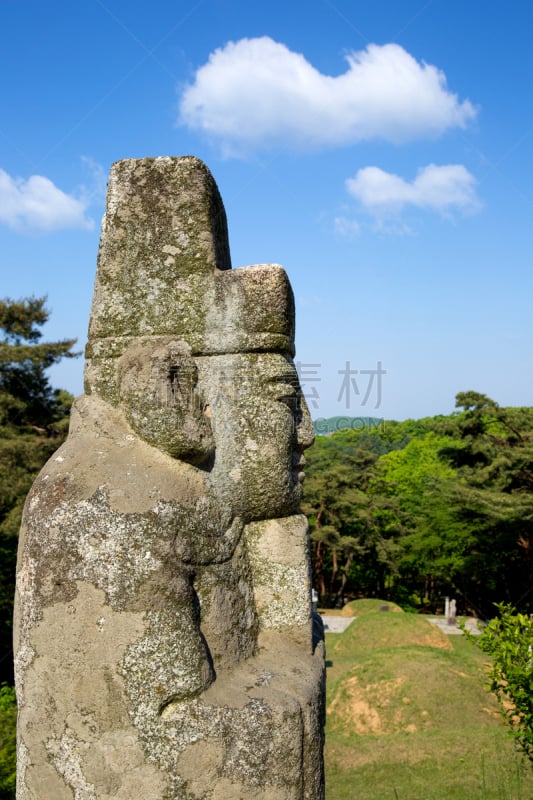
x=452, y=613
x=163, y=625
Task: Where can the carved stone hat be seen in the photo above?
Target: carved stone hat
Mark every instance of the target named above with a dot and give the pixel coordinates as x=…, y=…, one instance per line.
x=164, y=270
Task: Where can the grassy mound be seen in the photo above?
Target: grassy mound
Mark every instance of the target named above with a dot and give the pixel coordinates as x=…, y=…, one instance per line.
x=409, y=717
x=367, y=606
x=378, y=630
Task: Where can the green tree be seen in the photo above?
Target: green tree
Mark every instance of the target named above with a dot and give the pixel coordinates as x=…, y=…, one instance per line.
x=350, y=554
x=332, y=503
x=429, y=539
x=509, y=640
x=33, y=423
x=492, y=450
x=8, y=720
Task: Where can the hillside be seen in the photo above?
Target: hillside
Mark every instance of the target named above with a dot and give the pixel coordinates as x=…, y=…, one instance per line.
x=409, y=716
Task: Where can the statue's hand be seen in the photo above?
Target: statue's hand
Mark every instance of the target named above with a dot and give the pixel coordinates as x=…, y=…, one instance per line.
x=210, y=546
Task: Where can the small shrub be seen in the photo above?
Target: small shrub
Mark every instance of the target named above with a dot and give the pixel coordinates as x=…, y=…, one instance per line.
x=508, y=638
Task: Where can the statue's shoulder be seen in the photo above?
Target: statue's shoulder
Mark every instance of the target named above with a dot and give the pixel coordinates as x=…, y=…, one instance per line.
x=102, y=455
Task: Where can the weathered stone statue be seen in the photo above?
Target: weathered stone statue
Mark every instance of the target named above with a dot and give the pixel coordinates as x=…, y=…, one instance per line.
x=163, y=637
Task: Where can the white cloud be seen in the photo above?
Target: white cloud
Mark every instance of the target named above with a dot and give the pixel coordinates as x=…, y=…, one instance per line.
x=37, y=204
x=442, y=189
x=347, y=227
x=96, y=190
x=256, y=91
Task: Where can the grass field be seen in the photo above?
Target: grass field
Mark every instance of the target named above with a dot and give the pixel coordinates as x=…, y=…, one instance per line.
x=409, y=716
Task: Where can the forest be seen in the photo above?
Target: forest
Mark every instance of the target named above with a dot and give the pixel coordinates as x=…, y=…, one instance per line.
x=418, y=510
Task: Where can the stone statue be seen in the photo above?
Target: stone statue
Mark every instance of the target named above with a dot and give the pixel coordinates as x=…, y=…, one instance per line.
x=163, y=627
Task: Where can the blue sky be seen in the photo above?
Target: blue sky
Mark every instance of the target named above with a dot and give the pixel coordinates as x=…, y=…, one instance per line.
x=382, y=152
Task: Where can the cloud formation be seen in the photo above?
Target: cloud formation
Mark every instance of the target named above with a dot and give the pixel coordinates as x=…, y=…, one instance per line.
x=442, y=189
x=37, y=204
x=255, y=92
x=345, y=226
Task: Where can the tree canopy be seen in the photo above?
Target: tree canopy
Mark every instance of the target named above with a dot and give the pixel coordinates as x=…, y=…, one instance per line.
x=418, y=510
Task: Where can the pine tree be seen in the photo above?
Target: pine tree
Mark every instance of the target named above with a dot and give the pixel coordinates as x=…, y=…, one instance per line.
x=33, y=423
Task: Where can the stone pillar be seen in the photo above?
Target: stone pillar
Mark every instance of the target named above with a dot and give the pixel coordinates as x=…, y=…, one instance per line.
x=452, y=612
x=163, y=627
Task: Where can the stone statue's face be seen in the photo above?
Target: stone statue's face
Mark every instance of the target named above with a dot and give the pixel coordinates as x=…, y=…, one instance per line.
x=163, y=403
x=261, y=426
x=241, y=417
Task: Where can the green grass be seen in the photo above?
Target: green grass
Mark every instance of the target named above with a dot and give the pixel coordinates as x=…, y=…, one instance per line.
x=410, y=718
